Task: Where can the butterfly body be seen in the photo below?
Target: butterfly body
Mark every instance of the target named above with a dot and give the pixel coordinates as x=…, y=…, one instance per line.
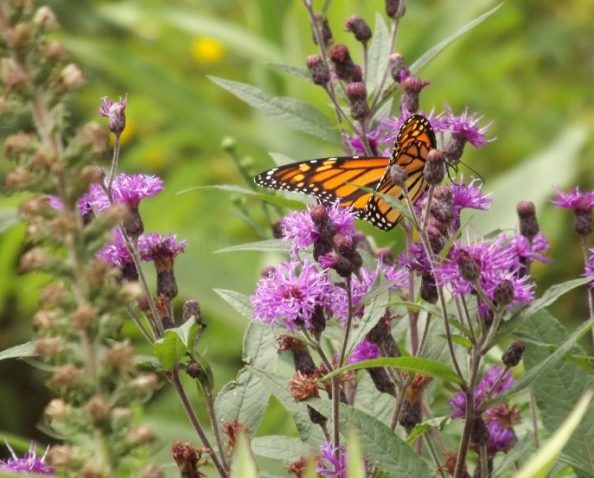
x=343, y=178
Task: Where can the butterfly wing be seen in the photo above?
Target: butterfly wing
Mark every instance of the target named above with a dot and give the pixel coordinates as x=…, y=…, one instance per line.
x=329, y=179
x=414, y=141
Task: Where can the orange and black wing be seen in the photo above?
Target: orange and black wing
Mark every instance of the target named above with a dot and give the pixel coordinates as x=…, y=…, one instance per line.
x=329, y=179
x=414, y=141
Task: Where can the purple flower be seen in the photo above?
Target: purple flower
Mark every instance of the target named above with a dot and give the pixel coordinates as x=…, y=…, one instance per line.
x=530, y=251
x=157, y=248
x=464, y=127
x=116, y=253
x=300, y=228
x=127, y=189
x=575, y=199
x=469, y=196
x=397, y=276
x=415, y=259
x=289, y=297
x=491, y=385
x=360, y=285
x=496, y=263
x=364, y=350
x=501, y=438
x=329, y=464
x=115, y=112
x=28, y=463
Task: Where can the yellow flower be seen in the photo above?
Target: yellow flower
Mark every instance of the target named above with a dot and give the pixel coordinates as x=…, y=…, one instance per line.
x=207, y=50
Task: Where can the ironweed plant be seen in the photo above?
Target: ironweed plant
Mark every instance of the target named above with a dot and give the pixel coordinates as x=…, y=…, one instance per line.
x=434, y=358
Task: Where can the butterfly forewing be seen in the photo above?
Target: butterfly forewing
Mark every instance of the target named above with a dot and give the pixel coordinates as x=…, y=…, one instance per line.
x=349, y=179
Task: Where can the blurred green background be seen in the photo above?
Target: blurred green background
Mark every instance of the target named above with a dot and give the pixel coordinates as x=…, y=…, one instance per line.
x=529, y=68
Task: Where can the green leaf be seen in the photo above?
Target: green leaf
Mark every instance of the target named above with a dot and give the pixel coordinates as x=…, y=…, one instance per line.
x=169, y=349
x=370, y=400
x=266, y=197
x=243, y=464
x=547, y=363
x=355, y=461
x=412, y=364
x=559, y=387
x=259, y=346
x=279, y=447
x=381, y=446
x=517, y=454
x=293, y=70
x=549, y=297
x=378, y=55
x=186, y=332
x=423, y=427
x=542, y=169
x=294, y=113
x=26, y=350
x=375, y=308
x=540, y=463
x=240, y=302
x=244, y=399
x=8, y=218
x=442, y=45
x=268, y=245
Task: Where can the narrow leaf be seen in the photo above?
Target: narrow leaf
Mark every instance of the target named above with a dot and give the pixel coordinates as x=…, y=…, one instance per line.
x=442, y=45
x=378, y=55
x=279, y=447
x=266, y=197
x=293, y=70
x=543, y=460
x=26, y=350
x=294, y=113
x=355, y=462
x=269, y=245
x=412, y=364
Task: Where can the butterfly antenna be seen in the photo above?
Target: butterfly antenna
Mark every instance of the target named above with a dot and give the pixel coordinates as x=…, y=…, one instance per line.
x=473, y=171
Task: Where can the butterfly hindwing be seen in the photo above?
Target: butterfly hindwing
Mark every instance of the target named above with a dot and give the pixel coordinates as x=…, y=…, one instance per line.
x=329, y=179
x=413, y=143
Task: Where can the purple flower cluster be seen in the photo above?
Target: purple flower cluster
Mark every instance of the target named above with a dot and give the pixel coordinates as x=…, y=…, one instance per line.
x=575, y=200
x=495, y=382
x=464, y=127
x=298, y=227
x=28, y=463
x=290, y=294
x=497, y=262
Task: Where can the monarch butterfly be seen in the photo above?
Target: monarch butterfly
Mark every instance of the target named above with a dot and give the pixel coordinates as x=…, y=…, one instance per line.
x=340, y=179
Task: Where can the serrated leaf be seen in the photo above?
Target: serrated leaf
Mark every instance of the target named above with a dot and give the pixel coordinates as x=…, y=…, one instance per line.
x=551, y=360
x=259, y=346
x=540, y=463
x=442, y=45
x=244, y=399
x=186, y=332
x=279, y=447
x=370, y=400
x=243, y=464
x=26, y=350
x=378, y=55
x=412, y=364
x=294, y=113
x=559, y=387
x=240, y=302
x=169, y=349
x=268, y=245
x=380, y=445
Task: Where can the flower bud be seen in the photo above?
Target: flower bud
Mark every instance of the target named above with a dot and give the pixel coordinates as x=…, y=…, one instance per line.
x=343, y=64
x=12, y=74
x=395, y=8
x=56, y=410
x=141, y=435
x=120, y=356
x=469, y=267
x=192, y=309
x=44, y=319
x=19, y=35
x=480, y=433
x=504, y=293
x=115, y=112
x=145, y=383
x=358, y=98
x=63, y=456
x=83, y=316
x=410, y=416
x=318, y=70
x=428, y=291
x=411, y=88
x=435, y=168
x=359, y=28
x=398, y=175
x=71, y=77
x=528, y=223
x=92, y=470
x=381, y=380
x=93, y=135
x=186, y=457
x=66, y=377
x=98, y=408
x=17, y=179
x=45, y=18
x=303, y=386
x=34, y=206
x=512, y=356
x=583, y=218
x=49, y=347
